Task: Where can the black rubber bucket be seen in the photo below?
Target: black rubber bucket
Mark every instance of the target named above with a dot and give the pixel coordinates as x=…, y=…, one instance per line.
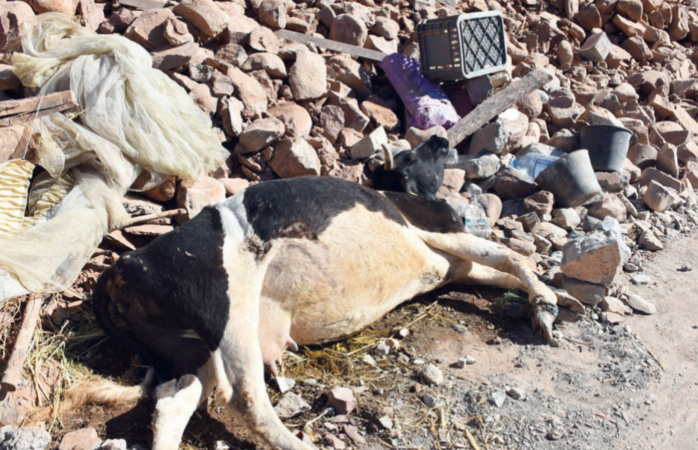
x=607, y=145
x=571, y=179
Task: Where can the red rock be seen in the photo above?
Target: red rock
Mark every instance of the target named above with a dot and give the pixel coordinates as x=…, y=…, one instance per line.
x=294, y=158
x=83, y=439
x=308, y=76
x=204, y=15
x=149, y=28
x=193, y=196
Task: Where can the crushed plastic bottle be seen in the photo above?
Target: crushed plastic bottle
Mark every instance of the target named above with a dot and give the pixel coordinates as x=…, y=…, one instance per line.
x=475, y=220
x=532, y=164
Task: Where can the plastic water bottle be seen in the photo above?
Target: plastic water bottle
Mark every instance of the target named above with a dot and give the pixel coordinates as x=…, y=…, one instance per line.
x=532, y=164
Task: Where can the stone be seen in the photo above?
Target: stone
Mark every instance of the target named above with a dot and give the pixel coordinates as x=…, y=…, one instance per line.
x=637, y=48
x=629, y=27
x=349, y=29
x=668, y=132
x=262, y=39
x=659, y=198
x=350, y=72
x=232, y=53
x=83, y=439
x=651, y=174
x=231, y=114
x=516, y=393
x=382, y=115
x=150, y=230
x=587, y=293
x=512, y=184
x=269, y=62
x=24, y=438
x=520, y=246
x=668, y=161
x=479, y=166
x=612, y=318
x=334, y=442
x=613, y=182
x=453, y=182
x=331, y=122
x=291, y=405
x=497, y=398
x=12, y=15
x=204, y=15
x=531, y=105
x=415, y=136
x=615, y=305
x=202, y=96
x=429, y=400
x=632, y=9
x=595, y=258
x=193, y=196
x=285, y=384
x=148, y=29
x=259, y=135
x=596, y=48
x=249, y=91
x=294, y=158
x=234, y=185
x=589, y=17
x=381, y=44
x=176, y=32
x=639, y=304
x=342, y=400
x=679, y=25
x=649, y=241
x=492, y=205
x=490, y=138
x=566, y=218
x=67, y=7
x=295, y=118
x=643, y=156
x=308, y=76
x=273, y=13
x=541, y=203
x=172, y=58
x=431, y=374
x=369, y=145
x=609, y=205
x=386, y=28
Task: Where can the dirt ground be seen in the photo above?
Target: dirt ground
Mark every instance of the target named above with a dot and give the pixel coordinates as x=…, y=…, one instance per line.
x=632, y=385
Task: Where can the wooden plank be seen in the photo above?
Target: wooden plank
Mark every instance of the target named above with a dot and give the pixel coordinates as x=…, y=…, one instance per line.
x=331, y=45
x=143, y=4
x=56, y=100
x=494, y=105
x=13, y=372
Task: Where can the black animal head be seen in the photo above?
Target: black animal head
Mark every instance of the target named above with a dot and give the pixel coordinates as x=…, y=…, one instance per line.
x=419, y=171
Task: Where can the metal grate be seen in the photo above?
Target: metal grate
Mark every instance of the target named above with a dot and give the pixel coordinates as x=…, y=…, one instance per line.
x=464, y=46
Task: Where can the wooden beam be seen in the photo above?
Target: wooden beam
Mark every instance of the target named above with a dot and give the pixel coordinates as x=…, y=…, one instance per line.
x=331, y=45
x=494, y=105
x=64, y=100
x=13, y=372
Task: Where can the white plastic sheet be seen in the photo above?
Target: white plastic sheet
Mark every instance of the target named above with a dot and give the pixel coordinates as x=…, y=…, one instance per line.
x=133, y=118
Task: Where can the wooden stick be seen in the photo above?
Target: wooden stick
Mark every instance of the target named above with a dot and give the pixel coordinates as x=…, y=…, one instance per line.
x=471, y=440
x=494, y=105
x=329, y=44
x=149, y=217
x=63, y=99
x=13, y=372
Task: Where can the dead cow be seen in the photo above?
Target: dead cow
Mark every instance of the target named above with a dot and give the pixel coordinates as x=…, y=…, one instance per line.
x=284, y=263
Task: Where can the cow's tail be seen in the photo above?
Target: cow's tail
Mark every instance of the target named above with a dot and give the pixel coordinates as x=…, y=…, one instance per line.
x=95, y=391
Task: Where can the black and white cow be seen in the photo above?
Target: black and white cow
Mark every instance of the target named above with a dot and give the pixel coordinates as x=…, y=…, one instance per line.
x=284, y=263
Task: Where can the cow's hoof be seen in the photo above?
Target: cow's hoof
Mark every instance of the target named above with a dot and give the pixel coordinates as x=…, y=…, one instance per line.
x=544, y=315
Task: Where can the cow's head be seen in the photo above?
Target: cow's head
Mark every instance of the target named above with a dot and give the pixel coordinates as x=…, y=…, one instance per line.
x=419, y=171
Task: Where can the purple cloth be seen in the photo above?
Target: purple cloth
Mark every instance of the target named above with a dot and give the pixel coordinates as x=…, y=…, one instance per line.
x=426, y=103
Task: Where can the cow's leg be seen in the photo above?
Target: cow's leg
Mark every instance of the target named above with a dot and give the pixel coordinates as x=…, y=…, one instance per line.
x=176, y=401
x=473, y=250
x=244, y=366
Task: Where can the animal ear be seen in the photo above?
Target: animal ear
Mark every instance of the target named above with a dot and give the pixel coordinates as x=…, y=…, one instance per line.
x=388, y=157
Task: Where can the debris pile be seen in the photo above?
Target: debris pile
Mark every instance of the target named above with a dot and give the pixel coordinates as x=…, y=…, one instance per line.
x=297, y=88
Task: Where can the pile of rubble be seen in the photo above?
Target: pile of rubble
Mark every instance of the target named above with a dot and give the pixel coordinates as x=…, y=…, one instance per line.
x=287, y=109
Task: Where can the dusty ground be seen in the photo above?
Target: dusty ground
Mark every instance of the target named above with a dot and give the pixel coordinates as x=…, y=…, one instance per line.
x=626, y=386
